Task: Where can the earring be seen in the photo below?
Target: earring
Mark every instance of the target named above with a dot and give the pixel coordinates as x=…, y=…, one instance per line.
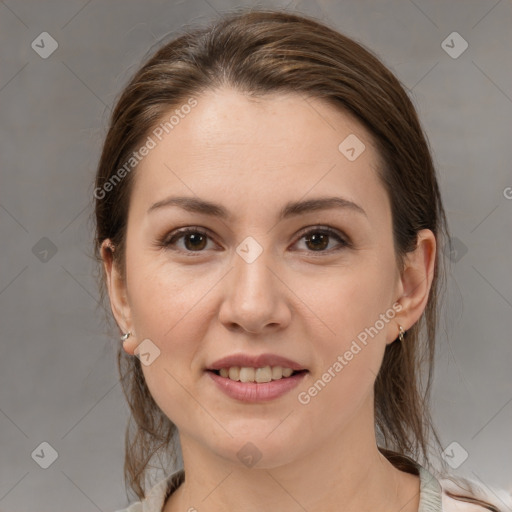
x=124, y=337
x=401, y=334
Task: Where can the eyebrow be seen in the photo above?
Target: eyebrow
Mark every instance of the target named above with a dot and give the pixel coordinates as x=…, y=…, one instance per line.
x=291, y=209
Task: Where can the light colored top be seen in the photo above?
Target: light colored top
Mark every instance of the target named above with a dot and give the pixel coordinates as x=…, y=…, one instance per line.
x=432, y=495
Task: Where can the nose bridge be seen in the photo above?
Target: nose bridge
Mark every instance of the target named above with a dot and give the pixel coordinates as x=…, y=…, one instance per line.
x=252, y=277
x=253, y=296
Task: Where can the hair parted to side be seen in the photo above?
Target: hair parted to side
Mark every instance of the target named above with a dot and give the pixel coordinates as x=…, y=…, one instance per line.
x=259, y=52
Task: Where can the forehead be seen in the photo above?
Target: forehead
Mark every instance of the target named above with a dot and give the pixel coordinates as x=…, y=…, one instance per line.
x=254, y=151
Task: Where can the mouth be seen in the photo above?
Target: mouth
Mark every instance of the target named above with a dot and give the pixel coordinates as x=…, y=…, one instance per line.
x=247, y=378
x=260, y=368
x=252, y=391
x=260, y=375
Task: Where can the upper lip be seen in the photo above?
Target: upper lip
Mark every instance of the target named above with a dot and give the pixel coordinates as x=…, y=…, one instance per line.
x=259, y=361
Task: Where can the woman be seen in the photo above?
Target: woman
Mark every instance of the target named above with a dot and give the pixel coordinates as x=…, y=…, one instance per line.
x=269, y=223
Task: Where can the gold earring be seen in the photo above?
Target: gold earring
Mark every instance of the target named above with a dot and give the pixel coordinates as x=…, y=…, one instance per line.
x=401, y=334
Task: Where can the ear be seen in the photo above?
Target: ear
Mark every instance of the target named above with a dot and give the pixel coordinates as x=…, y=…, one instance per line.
x=416, y=280
x=118, y=296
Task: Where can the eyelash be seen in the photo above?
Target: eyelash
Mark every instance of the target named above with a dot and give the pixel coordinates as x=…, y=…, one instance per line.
x=171, y=239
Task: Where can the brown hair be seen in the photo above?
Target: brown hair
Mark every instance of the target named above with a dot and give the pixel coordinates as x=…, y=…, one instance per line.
x=259, y=52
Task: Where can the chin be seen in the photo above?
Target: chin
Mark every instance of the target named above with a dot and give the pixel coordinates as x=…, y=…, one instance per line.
x=256, y=449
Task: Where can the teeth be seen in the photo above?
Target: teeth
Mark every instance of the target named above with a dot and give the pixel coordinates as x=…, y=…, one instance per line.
x=246, y=374
x=233, y=373
x=263, y=374
x=287, y=372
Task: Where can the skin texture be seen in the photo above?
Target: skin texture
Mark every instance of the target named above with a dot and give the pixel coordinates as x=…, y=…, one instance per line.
x=295, y=300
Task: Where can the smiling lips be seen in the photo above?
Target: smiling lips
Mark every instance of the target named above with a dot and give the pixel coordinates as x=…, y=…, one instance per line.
x=256, y=378
x=248, y=374
x=260, y=361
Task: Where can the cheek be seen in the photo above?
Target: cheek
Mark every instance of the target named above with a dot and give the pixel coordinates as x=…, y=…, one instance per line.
x=164, y=307
x=169, y=312
x=351, y=300
x=161, y=294
x=356, y=310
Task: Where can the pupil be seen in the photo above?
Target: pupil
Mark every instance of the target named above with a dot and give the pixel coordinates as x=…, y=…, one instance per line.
x=195, y=238
x=318, y=238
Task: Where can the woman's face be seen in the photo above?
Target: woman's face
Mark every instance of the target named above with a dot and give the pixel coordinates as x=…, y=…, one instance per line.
x=318, y=285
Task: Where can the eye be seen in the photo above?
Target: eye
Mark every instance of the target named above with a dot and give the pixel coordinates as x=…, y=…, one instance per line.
x=317, y=239
x=194, y=239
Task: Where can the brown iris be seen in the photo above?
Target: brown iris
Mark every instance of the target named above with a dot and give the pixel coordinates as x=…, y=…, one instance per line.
x=198, y=241
x=320, y=240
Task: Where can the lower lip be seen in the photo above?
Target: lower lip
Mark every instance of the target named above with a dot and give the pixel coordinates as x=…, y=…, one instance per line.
x=256, y=392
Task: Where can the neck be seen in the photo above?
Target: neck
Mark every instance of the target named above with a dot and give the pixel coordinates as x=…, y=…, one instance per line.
x=344, y=473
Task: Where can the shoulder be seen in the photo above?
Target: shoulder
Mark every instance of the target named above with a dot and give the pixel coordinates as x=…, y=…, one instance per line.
x=155, y=499
x=466, y=495
x=134, y=507
x=153, y=502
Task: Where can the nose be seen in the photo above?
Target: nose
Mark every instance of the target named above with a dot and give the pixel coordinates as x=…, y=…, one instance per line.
x=255, y=298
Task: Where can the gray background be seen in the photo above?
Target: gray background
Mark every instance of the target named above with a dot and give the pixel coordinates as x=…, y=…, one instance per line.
x=58, y=378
